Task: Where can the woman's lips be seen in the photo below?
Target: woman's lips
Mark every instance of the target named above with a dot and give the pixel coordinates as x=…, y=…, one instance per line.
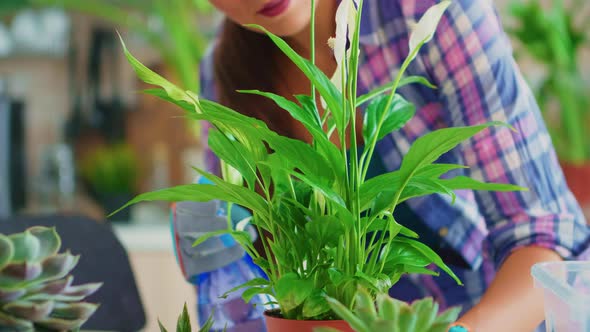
x=274, y=8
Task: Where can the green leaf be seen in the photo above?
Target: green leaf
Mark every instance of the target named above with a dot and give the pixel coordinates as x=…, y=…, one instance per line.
x=14, y=323
x=463, y=182
x=251, y=292
x=315, y=305
x=184, y=322
x=387, y=88
x=426, y=310
x=343, y=312
x=407, y=320
x=304, y=114
x=291, y=291
x=427, y=254
x=325, y=230
x=325, y=87
x=428, y=148
x=162, y=328
x=379, y=122
x=150, y=77
x=234, y=234
x=203, y=193
x=6, y=250
x=162, y=94
x=251, y=283
x=234, y=154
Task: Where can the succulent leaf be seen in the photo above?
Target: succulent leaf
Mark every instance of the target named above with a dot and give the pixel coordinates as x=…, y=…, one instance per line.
x=6, y=250
x=74, y=311
x=53, y=287
x=26, y=247
x=49, y=241
x=58, y=266
x=8, y=295
x=15, y=275
x=14, y=323
x=31, y=311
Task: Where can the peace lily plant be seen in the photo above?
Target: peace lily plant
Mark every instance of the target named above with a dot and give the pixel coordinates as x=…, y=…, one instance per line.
x=331, y=229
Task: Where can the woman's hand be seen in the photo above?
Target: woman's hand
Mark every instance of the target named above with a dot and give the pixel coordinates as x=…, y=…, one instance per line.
x=511, y=303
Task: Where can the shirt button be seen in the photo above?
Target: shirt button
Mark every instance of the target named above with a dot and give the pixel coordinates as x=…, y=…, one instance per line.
x=443, y=231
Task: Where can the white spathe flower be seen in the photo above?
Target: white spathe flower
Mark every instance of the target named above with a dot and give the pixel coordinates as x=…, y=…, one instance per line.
x=345, y=25
x=231, y=174
x=423, y=31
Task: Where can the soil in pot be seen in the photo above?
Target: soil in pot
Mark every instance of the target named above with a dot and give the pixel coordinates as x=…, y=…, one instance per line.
x=275, y=323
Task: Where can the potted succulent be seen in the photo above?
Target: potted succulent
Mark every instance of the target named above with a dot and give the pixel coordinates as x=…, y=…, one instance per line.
x=330, y=229
x=389, y=315
x=183, y=323
x=110, y=173
x=36, y=292
x=553, y=39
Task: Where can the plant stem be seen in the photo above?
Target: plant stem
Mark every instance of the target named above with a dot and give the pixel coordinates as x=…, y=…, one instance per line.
x=312, y=47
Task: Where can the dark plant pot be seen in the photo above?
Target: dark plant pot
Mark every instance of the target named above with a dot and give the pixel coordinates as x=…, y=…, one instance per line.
x=274, y=323
x=112, y=202
x=578, y=179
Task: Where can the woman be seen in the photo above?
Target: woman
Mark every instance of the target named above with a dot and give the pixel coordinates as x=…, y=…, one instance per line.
x=491, y=239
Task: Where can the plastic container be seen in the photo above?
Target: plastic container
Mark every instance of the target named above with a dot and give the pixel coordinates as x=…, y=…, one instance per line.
x=566, y=287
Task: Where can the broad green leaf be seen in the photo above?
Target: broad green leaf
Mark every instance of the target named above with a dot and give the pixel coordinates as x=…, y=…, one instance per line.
x=234, y=154
x=302, y=114
x=6, y=250
x=315, y=305
x=387, y=88
x=251, y=283
x=291, y=291
x=148, y=76
x=325, y=230
x=204, y=193
x=234, y=234
x=427, y=254
x=162, y=94
x=251, y=292
x=325, y=87
x=429, y=147
x=463, y=182
x=379, y=122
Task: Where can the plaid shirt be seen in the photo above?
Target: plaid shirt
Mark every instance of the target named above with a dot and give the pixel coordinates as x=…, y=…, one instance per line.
x=470, y=61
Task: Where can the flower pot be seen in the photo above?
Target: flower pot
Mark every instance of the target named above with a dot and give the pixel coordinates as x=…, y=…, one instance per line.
x=274, y=323
x=578, y=179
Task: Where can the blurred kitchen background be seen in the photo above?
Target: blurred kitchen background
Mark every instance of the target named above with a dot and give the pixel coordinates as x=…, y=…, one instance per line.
x=78, y=137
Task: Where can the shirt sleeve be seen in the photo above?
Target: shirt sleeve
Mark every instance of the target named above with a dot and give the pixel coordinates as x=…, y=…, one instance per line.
x=470, y=60
x=208, y=91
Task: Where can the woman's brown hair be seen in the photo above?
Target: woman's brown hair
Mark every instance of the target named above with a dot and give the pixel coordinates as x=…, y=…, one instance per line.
x=246, y=60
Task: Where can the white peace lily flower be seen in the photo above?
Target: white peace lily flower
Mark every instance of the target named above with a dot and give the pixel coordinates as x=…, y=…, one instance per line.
x=345, y=25
x=242, y=224
x=423, y=31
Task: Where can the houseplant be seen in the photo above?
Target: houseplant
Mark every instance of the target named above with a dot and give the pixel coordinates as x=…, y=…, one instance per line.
x=330, y=228
x=111, y=173
x=184, y=323
x=554, y=38
x=36, y=292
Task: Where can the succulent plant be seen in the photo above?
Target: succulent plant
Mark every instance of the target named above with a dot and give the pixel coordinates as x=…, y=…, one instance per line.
x=391, y=315
x=36, y=292
x=184, y=323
